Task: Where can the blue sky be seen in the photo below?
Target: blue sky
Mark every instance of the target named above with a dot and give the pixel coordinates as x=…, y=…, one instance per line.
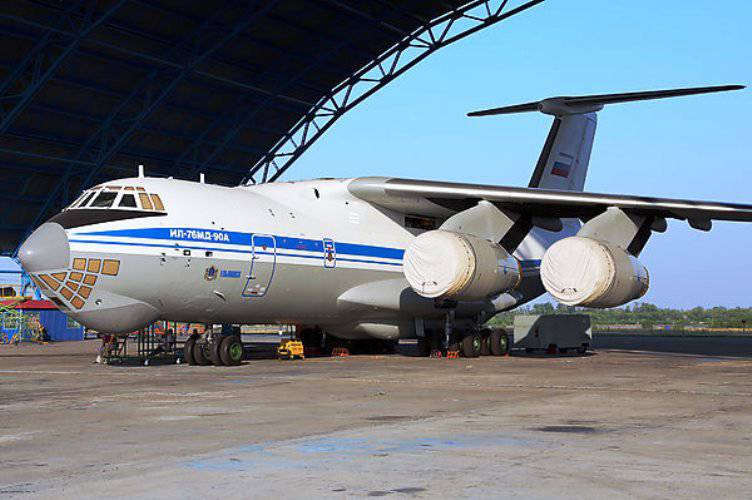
x=692, y=147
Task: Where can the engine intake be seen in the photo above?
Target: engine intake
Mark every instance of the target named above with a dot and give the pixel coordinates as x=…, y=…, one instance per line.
x=458, y=266
x=579, y=271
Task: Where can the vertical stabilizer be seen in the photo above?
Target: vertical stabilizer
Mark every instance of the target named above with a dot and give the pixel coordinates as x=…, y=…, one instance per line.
x=563, y=162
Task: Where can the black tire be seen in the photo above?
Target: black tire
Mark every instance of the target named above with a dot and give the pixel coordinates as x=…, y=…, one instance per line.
x=471, y=345
x=231, y=350
x=188, y=350
x=216, y=360
x=200, y=354
x=499, y=343
x=485, y=346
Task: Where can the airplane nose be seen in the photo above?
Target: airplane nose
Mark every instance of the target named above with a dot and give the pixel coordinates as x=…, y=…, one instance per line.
x=47, y=248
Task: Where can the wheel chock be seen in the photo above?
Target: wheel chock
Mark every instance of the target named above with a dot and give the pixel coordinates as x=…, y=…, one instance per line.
x=436, y=353
x=453, y=354
x=340, y=351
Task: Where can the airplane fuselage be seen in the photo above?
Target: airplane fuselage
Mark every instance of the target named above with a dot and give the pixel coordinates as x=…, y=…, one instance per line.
x=296, y=252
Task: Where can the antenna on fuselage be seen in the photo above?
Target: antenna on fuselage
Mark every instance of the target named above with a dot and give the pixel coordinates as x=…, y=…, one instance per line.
x=140, y=170
x=201, y=177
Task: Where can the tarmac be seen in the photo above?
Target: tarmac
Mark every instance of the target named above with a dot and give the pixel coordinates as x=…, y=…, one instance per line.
x=640, y=417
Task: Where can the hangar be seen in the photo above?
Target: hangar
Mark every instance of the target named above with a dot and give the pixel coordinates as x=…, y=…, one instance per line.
x=236, y=89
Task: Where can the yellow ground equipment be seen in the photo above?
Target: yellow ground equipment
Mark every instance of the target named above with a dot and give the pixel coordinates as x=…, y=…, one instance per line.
x=290, y=349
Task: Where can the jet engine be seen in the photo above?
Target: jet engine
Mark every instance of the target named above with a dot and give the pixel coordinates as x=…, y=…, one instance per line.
x=580, y=271
x=457, y=266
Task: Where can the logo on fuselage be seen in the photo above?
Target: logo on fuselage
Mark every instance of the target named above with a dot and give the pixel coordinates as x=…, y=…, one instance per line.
x=211, y=273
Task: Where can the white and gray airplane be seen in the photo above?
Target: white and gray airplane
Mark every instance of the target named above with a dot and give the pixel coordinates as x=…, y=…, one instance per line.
x=366, y=259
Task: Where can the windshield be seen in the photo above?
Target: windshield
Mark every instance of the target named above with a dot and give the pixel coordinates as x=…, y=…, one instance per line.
x=121, y=198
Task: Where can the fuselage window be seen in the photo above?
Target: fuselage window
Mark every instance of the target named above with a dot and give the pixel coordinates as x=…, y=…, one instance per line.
x=128, y=200
x=104, y=200
x=145, y=201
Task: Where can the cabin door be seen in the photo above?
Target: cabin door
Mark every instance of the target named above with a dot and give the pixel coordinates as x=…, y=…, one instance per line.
x=263, y=263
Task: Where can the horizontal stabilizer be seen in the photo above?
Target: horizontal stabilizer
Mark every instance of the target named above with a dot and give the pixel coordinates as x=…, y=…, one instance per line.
x=572, y=105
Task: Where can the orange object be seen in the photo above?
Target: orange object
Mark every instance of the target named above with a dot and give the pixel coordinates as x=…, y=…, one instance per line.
x=436, y=353
x=340, y=351
x=453, y=354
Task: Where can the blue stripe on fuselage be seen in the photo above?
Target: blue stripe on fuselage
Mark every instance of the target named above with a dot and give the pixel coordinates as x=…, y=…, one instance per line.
x=238, y=238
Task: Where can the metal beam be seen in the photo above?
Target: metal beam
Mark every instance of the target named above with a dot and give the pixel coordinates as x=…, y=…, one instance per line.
x=40, y=63
x=440, y=32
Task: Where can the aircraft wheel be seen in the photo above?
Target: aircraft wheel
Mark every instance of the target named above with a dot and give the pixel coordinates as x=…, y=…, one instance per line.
x=216, y=360
x=498, y=342
x=231, y=350
x=188, y=349
x=200, y=353
x=471, y=345
x=485, y=338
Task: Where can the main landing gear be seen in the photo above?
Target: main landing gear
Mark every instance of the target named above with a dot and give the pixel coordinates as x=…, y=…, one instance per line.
x=471, y=343
x=213, y=349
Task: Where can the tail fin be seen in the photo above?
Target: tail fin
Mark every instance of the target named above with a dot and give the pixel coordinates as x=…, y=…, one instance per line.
x=563, y=162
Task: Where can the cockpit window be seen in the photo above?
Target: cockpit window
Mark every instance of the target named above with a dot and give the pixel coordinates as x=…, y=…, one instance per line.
x=104, y=199
x=87, y=199
x=145, y=201
x=128, y=201
x=157, y=202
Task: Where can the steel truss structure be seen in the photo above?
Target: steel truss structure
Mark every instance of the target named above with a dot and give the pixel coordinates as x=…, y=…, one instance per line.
x=412, y=49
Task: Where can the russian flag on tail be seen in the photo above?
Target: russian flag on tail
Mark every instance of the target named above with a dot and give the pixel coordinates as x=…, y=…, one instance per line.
x=561, y=169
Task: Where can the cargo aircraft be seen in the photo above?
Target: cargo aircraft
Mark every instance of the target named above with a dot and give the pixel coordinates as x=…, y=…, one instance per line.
x=366, y=260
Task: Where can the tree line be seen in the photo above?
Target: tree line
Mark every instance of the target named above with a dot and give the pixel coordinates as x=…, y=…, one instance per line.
x=644, y=314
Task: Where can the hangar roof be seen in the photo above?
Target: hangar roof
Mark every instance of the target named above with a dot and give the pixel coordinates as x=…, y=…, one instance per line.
x=237, y=89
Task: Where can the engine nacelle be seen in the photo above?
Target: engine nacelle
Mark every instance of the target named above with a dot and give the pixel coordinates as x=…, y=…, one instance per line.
x=579, y=271
x=457, y=266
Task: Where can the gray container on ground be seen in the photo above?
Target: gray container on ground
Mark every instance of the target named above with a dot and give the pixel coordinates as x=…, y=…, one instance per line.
x=565, y=331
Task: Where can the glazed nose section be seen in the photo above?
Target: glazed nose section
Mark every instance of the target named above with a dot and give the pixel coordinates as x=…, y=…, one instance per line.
x=47, y=248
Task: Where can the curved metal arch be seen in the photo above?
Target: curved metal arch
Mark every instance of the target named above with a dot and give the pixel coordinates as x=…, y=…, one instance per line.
x=412, y=49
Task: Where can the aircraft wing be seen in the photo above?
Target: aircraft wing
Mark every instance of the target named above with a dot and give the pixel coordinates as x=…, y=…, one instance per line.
x=443, y=199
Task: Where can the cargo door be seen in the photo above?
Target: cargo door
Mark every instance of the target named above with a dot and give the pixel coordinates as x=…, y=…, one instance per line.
x=263, y=263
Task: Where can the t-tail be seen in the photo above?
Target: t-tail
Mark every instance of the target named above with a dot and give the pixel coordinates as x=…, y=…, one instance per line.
x=563, y=162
